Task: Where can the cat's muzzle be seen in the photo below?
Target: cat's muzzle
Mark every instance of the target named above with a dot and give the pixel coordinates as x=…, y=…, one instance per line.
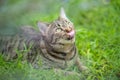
x=70, y=35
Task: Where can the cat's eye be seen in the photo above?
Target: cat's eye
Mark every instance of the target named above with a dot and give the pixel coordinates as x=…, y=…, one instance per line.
x=58, y=30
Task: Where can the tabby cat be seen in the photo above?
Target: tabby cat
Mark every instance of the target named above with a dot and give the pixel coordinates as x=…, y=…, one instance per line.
x=53, y=44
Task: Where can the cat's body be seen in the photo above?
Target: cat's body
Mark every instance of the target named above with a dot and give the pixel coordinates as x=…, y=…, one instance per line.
x=26, y=42
x=54, y=45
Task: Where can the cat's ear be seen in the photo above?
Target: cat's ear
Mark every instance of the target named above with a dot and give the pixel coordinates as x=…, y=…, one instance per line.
x=42, y=27
x=62, y=14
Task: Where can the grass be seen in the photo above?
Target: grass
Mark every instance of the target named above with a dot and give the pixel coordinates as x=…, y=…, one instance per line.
x=97, y=40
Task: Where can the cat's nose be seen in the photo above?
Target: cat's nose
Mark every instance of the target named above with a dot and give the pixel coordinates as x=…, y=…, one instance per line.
x=68, y=30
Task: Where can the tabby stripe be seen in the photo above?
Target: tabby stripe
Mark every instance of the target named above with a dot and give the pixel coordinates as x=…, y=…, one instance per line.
x=74, y=53
x=53, y=39
x=54, y=54
x=46, y=56
x=46, y=52
x=50, y=52
x=63, y=54
x=17, y=43
x=21, y=44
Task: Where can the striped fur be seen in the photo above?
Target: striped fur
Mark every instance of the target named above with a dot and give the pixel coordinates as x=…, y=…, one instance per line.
x=54, y=44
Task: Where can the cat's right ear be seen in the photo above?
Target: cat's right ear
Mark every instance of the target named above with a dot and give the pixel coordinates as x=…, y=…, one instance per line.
x=62, y=14
x=42, y=27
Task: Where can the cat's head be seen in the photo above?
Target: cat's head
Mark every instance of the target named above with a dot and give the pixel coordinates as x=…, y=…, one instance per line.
x=61, y=31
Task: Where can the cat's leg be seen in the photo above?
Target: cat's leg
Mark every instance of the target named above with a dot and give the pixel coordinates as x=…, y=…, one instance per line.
x=66, y=73
x=80, y=66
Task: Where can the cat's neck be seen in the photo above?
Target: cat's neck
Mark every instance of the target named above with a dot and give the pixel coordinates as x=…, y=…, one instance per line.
x=47, y=49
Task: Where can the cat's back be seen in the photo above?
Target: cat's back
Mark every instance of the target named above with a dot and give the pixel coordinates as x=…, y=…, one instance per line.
x=25, y=36
x=29, y=32
x=24, y=32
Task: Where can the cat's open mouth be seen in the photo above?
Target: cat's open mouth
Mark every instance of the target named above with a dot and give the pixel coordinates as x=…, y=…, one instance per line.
x=71, y=35
x=70, y=38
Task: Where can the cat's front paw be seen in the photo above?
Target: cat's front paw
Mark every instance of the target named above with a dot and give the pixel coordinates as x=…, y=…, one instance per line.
x=66, y=73
x=83, y=68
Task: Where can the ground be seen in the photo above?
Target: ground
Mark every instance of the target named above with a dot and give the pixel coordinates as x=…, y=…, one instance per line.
x=97, y=36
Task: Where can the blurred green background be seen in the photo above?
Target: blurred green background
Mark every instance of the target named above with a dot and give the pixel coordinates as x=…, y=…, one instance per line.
x=97, y=24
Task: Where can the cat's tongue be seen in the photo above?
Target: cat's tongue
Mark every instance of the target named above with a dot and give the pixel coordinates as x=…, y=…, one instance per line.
x=71, y=34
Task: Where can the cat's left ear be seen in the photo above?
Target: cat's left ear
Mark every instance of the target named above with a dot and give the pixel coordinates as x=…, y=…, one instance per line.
x=42, y=27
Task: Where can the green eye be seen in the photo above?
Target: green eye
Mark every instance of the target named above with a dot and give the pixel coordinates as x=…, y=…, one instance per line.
x=58, y=30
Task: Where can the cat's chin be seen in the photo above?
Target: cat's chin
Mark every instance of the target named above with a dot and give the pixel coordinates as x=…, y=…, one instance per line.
x=66, y=42
x=70, y=38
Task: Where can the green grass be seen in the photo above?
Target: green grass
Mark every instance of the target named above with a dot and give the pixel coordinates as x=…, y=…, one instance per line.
x=97, y=39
